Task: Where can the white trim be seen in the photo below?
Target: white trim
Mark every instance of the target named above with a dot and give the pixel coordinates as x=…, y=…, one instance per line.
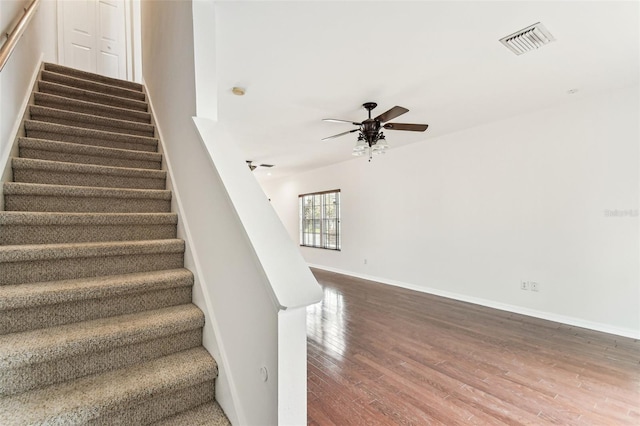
x=224, y=382
x=60, y=21
x=128, y=39
x=15, y=130
x=577, y=322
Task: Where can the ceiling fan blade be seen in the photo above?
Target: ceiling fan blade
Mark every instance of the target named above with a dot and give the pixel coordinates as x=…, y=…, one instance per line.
x=339, y=134
x=404, y=126
x=394, y=112
x=335, y=120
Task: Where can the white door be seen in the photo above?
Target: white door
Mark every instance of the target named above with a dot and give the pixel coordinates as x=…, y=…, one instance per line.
x=93, y=36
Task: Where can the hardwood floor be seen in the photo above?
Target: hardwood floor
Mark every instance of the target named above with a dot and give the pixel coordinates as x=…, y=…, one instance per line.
x=382, y=355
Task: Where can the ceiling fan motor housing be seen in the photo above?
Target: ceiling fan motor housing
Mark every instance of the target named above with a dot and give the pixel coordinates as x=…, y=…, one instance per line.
x=370, y=130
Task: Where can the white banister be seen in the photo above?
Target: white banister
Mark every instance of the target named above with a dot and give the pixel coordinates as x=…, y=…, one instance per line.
x=292, y=283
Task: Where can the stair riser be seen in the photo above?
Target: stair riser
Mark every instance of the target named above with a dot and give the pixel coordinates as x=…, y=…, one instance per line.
x=85, y=204
x=86, y=159
x=48, y=177
x=91, y=86
x=129, y=130
x=17, y=320
x=201, y=415
x=61, y=137
x=158, y=406
x=47, y=373
x=92, y=77
x=57, y=234
x=78, y=267
x=88, y=96
x=72, y=105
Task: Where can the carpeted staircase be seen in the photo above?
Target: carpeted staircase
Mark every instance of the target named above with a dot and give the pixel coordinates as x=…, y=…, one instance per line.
x=96, y=320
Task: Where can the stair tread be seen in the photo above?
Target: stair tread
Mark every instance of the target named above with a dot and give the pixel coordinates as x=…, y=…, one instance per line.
x=64, y=341
x=88, y=133
x=21, y=296
x=60, y=166
x=20, y=188
x=81, y=400
x=89, y=118
x=94, y=86
x=61, y=69
x=209, y=414
x=90, y=150
x=88, y=95
x=70, y=104
x=33, y=252
x=76, y=219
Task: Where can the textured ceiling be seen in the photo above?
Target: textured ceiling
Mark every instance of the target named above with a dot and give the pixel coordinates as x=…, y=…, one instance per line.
x=307, y=60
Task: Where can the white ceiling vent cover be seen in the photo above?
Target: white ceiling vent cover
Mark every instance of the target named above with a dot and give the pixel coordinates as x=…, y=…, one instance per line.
x=528, y=39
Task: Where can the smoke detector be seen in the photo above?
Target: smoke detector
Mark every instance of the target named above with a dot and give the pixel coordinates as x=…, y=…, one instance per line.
x=533, y=37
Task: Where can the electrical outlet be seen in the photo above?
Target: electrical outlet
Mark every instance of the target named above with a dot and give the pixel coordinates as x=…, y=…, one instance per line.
x=524, y=285
x=534, y=286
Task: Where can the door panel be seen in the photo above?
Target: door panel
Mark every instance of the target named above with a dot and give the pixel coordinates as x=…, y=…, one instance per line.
x=111, y=36
x=81, y=57
x=108, y=64
x=79, y=34
x=94, y=36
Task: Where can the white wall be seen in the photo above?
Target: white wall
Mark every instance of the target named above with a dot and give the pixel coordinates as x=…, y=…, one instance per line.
x=471, y=214
x=231, y=287
x=39, y=42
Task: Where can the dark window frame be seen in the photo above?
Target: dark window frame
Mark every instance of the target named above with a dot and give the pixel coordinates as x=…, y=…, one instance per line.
x=319, y=223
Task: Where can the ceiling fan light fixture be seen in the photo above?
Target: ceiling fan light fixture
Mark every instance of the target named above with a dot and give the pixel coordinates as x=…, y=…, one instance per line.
x=360, y=147
x=379, y=149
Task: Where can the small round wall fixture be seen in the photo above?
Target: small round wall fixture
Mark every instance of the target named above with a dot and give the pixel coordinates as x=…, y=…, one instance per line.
x=238, y=91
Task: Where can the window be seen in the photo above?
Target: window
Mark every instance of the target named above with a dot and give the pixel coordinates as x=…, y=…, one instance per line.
x=320, y=219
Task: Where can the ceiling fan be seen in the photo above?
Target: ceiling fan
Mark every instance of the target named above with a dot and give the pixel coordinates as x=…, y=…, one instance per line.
x=369, y=134
x=252, y=166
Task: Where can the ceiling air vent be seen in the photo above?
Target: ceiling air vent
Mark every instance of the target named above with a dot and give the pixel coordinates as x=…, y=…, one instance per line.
x=528, y=39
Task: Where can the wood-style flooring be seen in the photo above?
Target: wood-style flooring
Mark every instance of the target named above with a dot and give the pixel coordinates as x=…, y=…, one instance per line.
x=381, y=355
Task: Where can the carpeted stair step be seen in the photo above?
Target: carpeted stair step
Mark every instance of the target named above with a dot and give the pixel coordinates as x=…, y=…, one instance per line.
x=135, y=395
x=89, y=96
x=87, y=121
x=57, y=228
x=97, y=324
x=38, y=305
x=93, y=86
x=60, y=69
x=42, y=149
x=39, y=358
x=79, y=135
x=82, y=199
x=74, y=105
x=29, y=170
x=209, y=414
x=50, y=262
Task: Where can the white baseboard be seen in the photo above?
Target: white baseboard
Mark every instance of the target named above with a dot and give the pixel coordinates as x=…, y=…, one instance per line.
x=577, y=322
